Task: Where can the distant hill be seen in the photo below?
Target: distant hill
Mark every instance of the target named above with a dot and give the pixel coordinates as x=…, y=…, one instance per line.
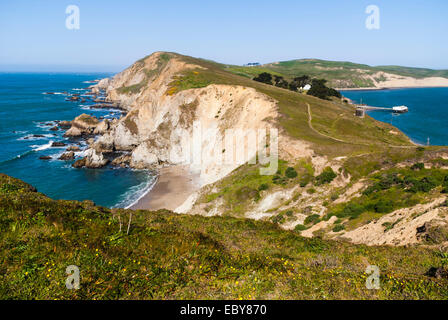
x=352, y=75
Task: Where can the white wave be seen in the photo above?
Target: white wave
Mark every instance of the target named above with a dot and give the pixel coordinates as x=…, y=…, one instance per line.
x=52, y=93
x=135, y=193
x=31, y=137
x=42, y=146
x=20, y=132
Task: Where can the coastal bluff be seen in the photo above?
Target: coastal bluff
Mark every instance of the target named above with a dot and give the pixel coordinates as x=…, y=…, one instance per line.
x=329, y=159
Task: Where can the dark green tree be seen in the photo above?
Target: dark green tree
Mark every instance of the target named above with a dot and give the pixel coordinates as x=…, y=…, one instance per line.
x=264, y=78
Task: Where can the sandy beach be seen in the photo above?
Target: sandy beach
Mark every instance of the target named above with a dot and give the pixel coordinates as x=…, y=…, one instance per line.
x=174, y=185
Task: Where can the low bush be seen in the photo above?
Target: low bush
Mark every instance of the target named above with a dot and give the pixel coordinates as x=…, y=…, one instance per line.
x=326, y=176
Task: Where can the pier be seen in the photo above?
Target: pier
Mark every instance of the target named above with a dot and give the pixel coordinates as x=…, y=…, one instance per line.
x=397, y=109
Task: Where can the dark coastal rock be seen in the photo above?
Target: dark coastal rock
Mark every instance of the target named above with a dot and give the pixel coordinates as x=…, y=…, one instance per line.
x=79, y=163
x=82, y=125
x=58, y=144
x=45, y=158
x=67, y=156
x=73, y=148
x=73, y=98
x=122, y=161
x=93, y=160
x=38, y=136
x=54, y=129
x=65, y=124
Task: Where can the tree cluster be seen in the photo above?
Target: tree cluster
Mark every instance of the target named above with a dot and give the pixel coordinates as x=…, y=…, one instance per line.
x=318, y=87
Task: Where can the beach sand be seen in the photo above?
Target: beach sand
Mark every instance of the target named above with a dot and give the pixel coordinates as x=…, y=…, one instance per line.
x=174, y=185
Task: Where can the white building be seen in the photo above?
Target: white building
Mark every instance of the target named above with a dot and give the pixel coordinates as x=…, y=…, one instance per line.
x=306, y=87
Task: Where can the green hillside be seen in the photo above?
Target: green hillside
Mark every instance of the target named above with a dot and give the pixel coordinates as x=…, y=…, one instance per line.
x=334, y=130
x=339, y=74
x=169, y=256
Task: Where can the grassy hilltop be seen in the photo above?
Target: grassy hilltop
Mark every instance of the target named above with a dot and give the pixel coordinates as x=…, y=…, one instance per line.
x=169, y=256
x=339, y=74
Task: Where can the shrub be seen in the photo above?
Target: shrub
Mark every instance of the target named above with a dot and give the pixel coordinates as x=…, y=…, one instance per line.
x=289, y=213
x=291, y=173
x=312, y=219
x=383, y=206
x=246, y=193
x=351, y=210
x=445, y=185
x=326, y=176
x=418, y=166
x=426, y=184
x=279, y=180
x=278, y=219
x=338, y=227
x=300, y=227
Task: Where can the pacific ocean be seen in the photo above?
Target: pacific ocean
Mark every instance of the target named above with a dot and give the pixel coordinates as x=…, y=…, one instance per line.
x=25, y=111
x=427, y=119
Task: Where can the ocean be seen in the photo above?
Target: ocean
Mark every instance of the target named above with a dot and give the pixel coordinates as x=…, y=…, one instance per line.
x=26, y=111
x=427, y=119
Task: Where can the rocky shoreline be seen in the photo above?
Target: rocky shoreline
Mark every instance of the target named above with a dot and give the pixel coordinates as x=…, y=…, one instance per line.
x=84, y=129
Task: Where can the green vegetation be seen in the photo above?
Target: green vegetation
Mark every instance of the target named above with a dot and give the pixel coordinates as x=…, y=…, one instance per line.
x=169, y=256
x=341, y=74
x=392, y=189
x=242, y=187
x=312, y=219
x=318, y=87
x=290, y=173
x=321, y=91
x=264, y=77
x=326, y=176
x=338, y=228
x=133, y=89
x=188, y=80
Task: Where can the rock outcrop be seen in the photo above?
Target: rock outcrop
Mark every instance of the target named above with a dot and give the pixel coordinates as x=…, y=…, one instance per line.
x=159, y=123
x=91, y=160
x=82, y=125
x=67, y=156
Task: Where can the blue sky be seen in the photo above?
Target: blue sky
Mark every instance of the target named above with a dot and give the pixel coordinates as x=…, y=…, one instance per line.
x=114, y=34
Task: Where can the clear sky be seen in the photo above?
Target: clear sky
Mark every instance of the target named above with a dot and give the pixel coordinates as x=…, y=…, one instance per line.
x=114, y=34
